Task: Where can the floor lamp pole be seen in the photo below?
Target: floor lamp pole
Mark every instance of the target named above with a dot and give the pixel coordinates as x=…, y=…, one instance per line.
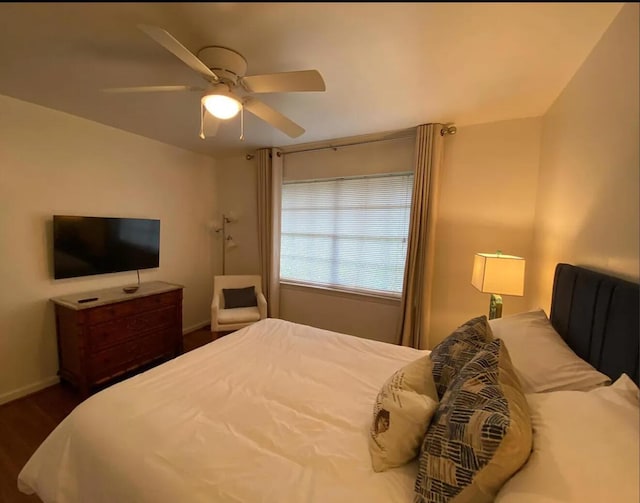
x=227, y=240
x=224, y=242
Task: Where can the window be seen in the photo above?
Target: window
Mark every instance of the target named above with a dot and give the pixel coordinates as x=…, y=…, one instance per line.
x=348, y=233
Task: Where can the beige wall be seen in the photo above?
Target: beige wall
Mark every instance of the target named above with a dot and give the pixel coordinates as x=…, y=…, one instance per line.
x=359, y=315
x=354, y=160
x=237, y=192
x=487, y=202
x=587, y=208
x=55, y=163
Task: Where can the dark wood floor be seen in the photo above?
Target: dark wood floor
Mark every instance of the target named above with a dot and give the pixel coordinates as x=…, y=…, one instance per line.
x=26, y=422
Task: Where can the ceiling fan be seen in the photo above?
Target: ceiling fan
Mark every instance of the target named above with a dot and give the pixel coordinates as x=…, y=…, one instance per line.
x=228, y=90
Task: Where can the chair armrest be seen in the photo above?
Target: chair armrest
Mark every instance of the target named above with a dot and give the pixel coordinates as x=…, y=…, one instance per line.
x=215, y=303
x=262, y=305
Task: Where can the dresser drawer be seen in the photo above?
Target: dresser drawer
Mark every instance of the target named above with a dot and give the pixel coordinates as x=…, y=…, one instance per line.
x=114, y=332
x=156, y=301
x=109, y=363
x=130, y=354
x=110, y=312
x=127, y=308
x=149, y=347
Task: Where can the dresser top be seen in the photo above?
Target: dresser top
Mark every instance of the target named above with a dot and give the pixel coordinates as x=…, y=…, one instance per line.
x=112, y=295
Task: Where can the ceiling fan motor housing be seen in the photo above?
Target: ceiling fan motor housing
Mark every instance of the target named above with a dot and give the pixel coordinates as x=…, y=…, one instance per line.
x=225, y=63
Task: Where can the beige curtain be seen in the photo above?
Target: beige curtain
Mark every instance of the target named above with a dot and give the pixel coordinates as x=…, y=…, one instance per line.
x=269, y=205
x=418, y=273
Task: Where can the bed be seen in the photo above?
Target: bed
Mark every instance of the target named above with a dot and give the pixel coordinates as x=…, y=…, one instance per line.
x=281, y=412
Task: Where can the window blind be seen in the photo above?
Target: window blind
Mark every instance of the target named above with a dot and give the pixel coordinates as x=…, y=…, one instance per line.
x=346, y=232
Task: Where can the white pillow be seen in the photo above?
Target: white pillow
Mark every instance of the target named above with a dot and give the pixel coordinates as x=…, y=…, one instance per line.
x=542, y=359
x=401, y=415
x=585, y=448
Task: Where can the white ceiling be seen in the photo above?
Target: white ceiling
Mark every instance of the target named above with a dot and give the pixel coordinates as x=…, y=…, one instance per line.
x=387, y=66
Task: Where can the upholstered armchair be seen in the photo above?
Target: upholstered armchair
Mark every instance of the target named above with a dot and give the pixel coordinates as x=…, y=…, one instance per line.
x=238, y=301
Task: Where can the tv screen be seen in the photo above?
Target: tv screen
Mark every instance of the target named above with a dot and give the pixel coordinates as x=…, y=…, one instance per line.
x=83, y=246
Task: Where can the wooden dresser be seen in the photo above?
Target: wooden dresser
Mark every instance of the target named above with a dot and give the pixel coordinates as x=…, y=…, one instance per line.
x=114, y=333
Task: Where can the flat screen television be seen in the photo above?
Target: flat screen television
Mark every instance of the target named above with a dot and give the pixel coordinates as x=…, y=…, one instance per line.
x=84, y=246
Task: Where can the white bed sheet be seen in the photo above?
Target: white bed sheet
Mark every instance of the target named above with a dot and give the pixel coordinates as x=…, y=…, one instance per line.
x=276, y=412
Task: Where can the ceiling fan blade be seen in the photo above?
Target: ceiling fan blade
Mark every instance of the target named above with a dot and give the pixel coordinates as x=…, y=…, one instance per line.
x=166, y=40
x=150, y=89
x=285, y=82
x=273, y=117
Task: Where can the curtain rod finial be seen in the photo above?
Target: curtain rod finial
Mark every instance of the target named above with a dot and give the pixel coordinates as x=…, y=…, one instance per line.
x=448, y=129
x=248, y=157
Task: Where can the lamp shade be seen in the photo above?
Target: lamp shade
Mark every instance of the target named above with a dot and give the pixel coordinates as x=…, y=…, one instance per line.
x=221, y=104
x=499, y=274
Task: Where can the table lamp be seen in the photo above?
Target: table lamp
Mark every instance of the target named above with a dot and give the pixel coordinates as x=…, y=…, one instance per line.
x=498, y=275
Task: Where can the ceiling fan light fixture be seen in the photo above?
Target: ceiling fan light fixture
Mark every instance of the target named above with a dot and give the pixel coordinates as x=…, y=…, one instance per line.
x=221, y=104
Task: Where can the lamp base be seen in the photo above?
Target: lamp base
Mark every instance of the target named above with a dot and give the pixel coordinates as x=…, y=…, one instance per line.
x=495, y=307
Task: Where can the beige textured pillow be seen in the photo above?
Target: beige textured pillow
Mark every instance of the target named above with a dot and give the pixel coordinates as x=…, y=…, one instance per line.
x=480, y=435
x=401, y=415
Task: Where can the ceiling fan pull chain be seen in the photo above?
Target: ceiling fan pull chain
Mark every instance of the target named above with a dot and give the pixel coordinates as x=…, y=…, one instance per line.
x=201, y=120
x=242, y=123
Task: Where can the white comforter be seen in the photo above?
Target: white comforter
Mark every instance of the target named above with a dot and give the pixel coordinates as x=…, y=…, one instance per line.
x=276, y=412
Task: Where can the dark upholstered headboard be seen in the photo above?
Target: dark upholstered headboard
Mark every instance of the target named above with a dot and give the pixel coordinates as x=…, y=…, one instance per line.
x=598, y=316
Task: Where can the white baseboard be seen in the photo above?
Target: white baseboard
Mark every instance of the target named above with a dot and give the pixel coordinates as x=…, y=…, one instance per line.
x=50, y=381
x=27, y=390
x=195, y=327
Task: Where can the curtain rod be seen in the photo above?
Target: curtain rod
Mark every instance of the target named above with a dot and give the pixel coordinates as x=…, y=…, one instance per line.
x=402, y=135
x=447, y=129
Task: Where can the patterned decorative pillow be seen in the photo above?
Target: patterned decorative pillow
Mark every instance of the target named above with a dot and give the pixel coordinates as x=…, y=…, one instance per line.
x=401, y=415
x=479, y=436
x=457, y=349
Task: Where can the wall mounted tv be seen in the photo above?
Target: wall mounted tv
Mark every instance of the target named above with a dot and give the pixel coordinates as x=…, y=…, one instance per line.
x=83, y=246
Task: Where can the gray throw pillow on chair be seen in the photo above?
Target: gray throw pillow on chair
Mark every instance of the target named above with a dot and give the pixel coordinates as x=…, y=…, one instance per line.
x=239, y=297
